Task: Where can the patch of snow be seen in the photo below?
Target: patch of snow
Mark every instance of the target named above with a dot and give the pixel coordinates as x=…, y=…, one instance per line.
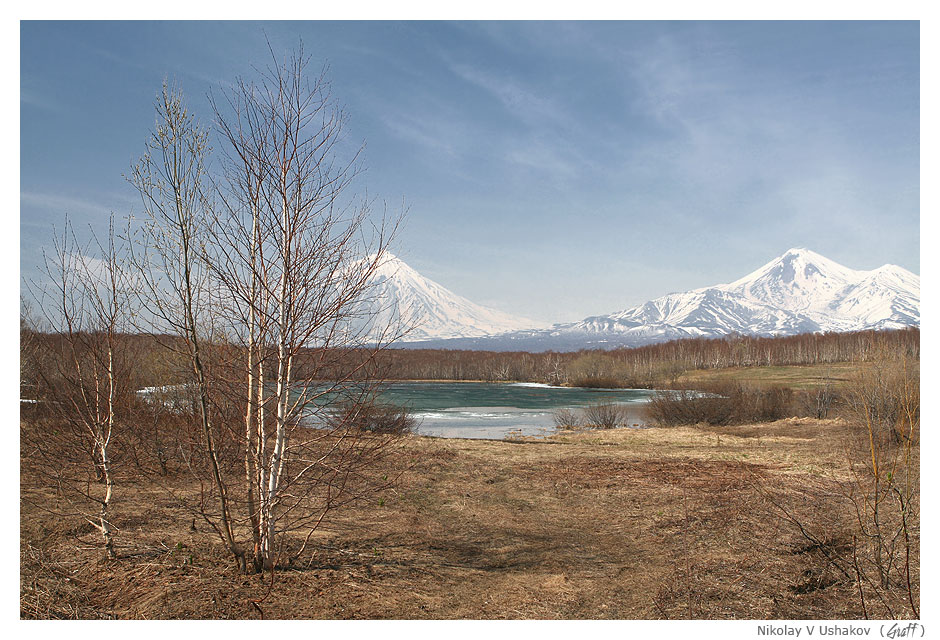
x=537, y=385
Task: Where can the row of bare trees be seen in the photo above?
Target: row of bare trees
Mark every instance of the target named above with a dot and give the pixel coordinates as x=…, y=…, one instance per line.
x=649, y=366
x=257, y=278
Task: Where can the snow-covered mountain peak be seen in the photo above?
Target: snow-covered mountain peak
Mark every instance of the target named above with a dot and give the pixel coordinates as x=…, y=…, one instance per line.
x=798, y=281
x=404, y=298
x=894, y=272
x=389, y=265
x=795, y=267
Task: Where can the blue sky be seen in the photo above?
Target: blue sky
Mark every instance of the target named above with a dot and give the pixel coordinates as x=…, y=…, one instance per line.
x=553, y=170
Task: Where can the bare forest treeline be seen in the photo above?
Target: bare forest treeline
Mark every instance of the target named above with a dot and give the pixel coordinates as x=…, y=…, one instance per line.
x=648, y=366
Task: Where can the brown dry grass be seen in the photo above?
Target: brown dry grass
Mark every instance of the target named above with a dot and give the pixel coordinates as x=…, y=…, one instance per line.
x=837, y=374
x=636, y=524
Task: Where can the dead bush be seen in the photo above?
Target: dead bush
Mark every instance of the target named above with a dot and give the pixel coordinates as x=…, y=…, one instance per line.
x=879, y=549
x=884, y=401
x=719, y=405
x=605, y=415
x=816, y=403
x=566, y=419
x=374, y=418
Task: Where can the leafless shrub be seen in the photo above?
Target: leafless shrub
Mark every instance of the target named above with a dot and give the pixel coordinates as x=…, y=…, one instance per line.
x=83, y=374
x=374, y=418
x=158, y=436
x=671, y=408
x=720, y=405
x=885, y=402
x=760, y=404
x=605, y=415
x=816, y=403
x=566, y=419
x=263, y=282
x=886, y=397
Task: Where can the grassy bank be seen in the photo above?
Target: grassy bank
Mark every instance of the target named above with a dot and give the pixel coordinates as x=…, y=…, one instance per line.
x=794, y=376
x=657, y=523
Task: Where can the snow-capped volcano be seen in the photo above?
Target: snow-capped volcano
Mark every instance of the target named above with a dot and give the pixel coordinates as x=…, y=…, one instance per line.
x=833, y=296
x=799, y=281
x=799, y=292
x=403, y=297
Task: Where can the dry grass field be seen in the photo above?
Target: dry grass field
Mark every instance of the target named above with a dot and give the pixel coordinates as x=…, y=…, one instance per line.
x=627, y=523
x=792, y=376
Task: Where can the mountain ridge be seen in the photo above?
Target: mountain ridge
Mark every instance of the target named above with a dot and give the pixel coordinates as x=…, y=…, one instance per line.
x=798, y=292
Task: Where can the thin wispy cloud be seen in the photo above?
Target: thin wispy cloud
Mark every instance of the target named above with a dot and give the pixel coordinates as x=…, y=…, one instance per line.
x=43, y=217
x=33, y=99
x=421, y=131
x=734, y=140
x=113, y=57
x=54, y=203
x=717, y=130
x=543, y=158
x=547, y=138
x=522, y=103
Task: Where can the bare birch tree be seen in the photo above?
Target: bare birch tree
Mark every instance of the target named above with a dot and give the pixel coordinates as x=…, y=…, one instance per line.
x=267, y=278
x=296, y=255
x=172, y=178
x=86, y=298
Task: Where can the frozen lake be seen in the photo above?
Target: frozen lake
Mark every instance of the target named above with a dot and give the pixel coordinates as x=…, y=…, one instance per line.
x=497, y=410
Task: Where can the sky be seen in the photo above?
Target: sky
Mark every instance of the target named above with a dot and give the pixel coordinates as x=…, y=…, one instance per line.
x=552, y=170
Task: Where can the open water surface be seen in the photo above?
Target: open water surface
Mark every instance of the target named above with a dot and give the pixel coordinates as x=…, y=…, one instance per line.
x=497, y=410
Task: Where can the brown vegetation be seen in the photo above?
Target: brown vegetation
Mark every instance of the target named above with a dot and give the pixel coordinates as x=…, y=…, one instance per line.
x=721, y=404
x=674, y=364
x=604, y=415
x=256, y=284
x=795, y=518
x=877, y=548
x=657, y=523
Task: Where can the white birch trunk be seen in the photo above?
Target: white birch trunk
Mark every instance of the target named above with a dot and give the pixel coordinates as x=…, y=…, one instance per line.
x=104, y=441
x=282, y=394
